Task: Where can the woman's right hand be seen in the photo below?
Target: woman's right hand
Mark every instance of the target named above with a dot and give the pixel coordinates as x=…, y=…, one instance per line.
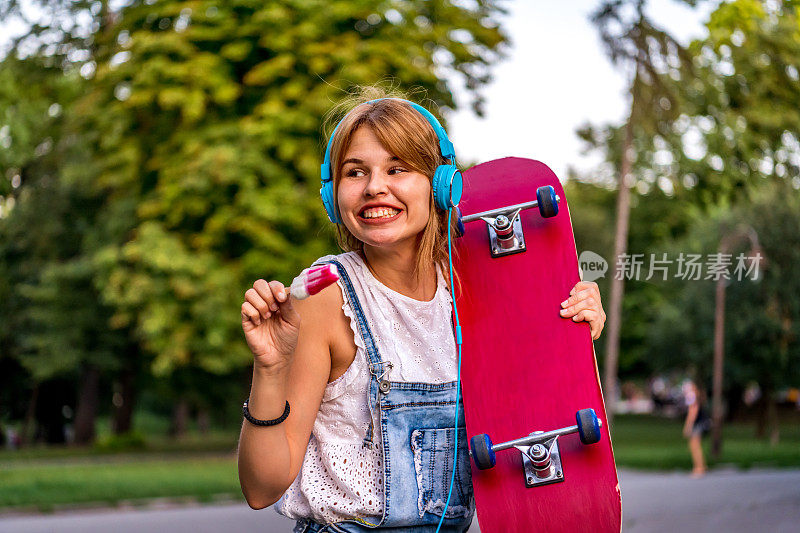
x=270, y=323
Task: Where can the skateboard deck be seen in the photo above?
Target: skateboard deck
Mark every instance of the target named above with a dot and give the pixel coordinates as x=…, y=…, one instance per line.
x=524, y=367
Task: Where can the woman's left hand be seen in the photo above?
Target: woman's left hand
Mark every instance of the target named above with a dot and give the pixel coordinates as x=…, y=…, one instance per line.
x=584, y=304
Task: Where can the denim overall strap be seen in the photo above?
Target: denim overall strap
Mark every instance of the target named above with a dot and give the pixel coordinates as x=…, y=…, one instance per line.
x=377, y=367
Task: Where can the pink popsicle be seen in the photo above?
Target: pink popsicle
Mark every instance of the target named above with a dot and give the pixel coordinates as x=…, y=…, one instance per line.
x=313, y=280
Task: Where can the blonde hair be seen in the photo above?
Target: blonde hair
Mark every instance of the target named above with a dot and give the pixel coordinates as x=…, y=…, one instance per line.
x=404, y=133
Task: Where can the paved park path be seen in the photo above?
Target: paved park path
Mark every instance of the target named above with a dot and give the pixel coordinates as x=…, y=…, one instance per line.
x=757, y=500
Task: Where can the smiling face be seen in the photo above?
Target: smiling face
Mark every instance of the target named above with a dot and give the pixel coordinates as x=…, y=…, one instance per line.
x=382, y=201
x=368, y=137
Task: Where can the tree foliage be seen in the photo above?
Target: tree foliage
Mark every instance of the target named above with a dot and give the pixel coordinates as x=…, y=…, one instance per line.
x=721, y=147
x=168, y=155
x=762, y=324
x=49, y=317
x=740, y=117
x=211, y=125
x=739, y=151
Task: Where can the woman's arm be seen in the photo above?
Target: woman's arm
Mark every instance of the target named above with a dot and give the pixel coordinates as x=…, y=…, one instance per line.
x=270, y=457
x=691, y=416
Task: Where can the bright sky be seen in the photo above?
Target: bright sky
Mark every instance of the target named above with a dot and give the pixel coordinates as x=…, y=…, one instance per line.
x=555, y=79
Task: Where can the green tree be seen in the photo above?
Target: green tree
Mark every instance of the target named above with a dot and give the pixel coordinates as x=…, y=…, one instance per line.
x=762, y=325
x=656, y=220
x=193, y=157
x=208, y=145
x=730, y=132
x=742, y=118
x=51, y=322
x=60, y=32
x=649, y=55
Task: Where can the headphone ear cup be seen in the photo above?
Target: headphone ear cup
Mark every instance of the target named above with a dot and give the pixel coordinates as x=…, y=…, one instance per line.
x=326, y=193
x=447, y=186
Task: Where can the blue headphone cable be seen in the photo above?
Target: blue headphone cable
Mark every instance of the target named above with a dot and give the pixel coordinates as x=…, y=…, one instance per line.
x=458, y=342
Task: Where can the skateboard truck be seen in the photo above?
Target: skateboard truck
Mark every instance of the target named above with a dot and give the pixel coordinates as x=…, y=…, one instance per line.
x=504, y=224
x=541, y=462
x=541, y=458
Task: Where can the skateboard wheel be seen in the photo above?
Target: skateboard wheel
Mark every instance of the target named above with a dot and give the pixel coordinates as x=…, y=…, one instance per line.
x=588, y=426
x=546, y=198
x=459, y=223
x=482, y=454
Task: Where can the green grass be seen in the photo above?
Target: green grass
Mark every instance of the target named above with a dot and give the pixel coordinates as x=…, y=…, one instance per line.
x=204, y=467
x=214, y=443
x=131, y=468
x=111, y=480
x=652, y=443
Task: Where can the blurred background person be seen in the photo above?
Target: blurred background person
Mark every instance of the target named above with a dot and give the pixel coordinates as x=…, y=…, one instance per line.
x=696, y=425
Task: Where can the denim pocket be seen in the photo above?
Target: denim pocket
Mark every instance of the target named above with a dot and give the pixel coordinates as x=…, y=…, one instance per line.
x=433, y=463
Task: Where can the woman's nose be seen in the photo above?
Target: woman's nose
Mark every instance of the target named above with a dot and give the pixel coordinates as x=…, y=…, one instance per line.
x=377, y=183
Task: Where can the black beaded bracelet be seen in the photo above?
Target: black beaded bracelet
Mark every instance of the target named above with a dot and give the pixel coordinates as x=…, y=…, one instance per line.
x=256, y=422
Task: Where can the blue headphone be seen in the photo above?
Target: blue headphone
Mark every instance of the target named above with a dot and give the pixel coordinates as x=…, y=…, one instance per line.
x=447, y=180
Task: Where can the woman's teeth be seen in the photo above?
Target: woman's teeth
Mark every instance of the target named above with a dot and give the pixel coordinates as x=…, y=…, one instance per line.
x=380, y=212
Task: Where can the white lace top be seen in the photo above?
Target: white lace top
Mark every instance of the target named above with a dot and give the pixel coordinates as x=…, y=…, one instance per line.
x=339, y=478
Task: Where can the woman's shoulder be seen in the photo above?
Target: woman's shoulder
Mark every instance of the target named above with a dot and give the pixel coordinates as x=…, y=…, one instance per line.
x=331, y=298
x=349, y=260
x=326, y=307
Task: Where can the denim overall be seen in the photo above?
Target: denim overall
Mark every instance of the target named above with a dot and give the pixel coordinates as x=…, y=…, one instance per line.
x=416, y=423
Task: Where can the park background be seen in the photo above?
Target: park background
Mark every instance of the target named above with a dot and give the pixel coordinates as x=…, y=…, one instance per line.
x=157, y=157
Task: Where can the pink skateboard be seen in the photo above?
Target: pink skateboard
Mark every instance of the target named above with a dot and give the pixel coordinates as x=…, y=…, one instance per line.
x=539, y=445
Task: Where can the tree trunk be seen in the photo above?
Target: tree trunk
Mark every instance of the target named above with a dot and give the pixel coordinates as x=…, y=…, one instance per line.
x=733, y=398
x=772, y=420
x=719, y=361
x=123, y=413
x=761, y=416
x=86, y=410
x=180, y=418
x=203, y=421
x=30, y=416
x=618, y=281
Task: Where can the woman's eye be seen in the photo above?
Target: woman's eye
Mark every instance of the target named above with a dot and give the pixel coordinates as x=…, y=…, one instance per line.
x=357, y=172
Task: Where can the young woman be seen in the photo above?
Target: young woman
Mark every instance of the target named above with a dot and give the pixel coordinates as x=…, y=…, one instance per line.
x=696, y=425
x=367, y=368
